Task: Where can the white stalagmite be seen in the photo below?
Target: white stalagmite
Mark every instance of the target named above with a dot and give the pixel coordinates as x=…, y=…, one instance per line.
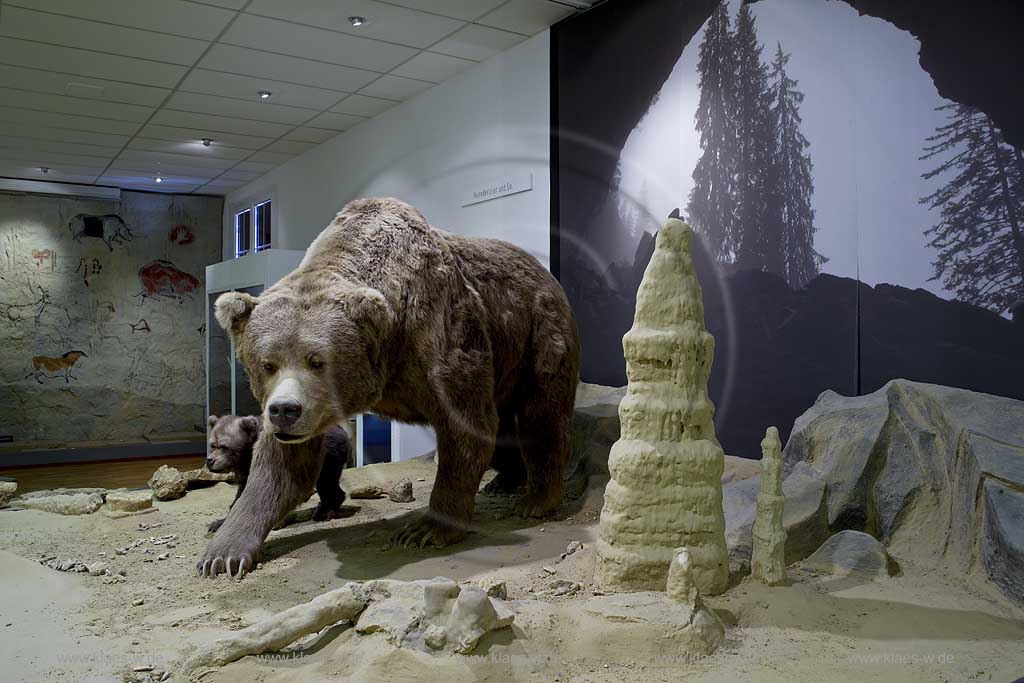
x=768, y=556
x=665, y=490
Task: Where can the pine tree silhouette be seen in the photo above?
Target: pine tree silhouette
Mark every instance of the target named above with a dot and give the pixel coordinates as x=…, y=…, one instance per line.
x=794, y=180
x=979, y=236
x=711, y=208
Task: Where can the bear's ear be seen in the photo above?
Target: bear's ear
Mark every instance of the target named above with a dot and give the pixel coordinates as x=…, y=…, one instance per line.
x=370, y=311
x=212, y=420
x=251, y=425
x=233, y=309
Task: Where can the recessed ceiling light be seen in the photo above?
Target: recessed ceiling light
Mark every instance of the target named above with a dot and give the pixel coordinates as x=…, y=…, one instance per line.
x=264, y=94
x=158, y=179
x=357, y=21
x=44, y=169
x=207, y=142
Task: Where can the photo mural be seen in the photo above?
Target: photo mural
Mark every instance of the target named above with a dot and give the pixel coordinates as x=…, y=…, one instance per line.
x=102, y=316
x=853, y=225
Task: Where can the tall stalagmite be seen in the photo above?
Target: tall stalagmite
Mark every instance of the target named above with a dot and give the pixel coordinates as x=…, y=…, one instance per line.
x=768, y=553
x=665, y=490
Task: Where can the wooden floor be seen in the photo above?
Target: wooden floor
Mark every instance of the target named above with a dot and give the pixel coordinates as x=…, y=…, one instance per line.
x=110, y=474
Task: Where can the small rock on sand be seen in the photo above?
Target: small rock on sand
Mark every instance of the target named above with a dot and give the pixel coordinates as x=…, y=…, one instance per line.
x=129, y=501
x=367, y=492
x=401, y=491
x=168, y=483
x=7, y=490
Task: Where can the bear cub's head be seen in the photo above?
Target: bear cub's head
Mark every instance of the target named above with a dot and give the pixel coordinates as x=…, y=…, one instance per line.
x=230, y=440
x=313, y=349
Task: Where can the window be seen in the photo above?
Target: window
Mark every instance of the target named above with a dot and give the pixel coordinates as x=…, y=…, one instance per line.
x=252, y=229
x=263, y=226
x=243, y=232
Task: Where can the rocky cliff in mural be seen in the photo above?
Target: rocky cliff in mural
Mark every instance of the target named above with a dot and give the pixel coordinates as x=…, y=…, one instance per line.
x=99, y=312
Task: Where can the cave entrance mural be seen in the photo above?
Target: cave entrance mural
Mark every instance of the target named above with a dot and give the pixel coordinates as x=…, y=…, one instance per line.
x=854, y=226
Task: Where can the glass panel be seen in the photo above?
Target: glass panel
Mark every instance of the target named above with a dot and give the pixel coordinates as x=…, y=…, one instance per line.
x=243, y=232
x=263, y=226
x=376, y=439
x=245, y=402
x=218, y=349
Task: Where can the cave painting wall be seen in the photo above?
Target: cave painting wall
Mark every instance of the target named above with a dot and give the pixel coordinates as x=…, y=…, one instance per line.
x=853, y=225
x=102, y=316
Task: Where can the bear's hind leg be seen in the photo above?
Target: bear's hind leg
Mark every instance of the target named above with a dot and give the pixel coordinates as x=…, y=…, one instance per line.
x=507, y=459
x=546, y=439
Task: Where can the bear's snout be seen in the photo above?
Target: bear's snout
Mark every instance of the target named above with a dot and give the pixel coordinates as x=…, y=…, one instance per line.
x=284, y=413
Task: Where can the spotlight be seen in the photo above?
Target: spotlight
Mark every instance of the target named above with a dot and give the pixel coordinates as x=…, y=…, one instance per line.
x=44, y=169
x=158, y=179
x=357, y=21
x=207, y=142
x=264, y=94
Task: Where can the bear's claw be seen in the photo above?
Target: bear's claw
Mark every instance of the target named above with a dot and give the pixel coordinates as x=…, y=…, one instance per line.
x=428, y=530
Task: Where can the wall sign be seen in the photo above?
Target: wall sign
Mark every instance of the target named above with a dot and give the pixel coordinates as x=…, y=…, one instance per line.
x=510, y=183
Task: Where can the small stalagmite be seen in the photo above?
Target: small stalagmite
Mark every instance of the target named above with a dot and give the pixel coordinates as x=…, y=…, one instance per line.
x=680, y=586
x=768, y=556
x=665, y=490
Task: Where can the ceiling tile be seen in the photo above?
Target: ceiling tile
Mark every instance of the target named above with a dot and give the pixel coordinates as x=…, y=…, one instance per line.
x=225, y=106
x=39, y=132
x=133, y=180
x=291, y=147
x=134, y=156
x=191, y=134
x=244, y=176
x=384, y=22
x=38, y=158
x=526, y=16
x=68, y=174
x=91, y=35
x=334, y=121
x=169, y=16
x=430, y=66
x=74, y=105
x=246, y=87
x=7, y=141
x=165, y=171
x=273, y=158
x=191, y=148
x=308, y=134
x=394, y=88
x=78, y=86
x=240, y=60
x=230, y=4
x=219, y=187
x=90, y=64
x=477, y=42
x=214, y=124
x=361, y=105
x=314, y=43
x=51, y=119
x=459, y=9
x=256, y=167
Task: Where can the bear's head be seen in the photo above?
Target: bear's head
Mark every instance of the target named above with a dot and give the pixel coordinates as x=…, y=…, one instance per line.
x=313, y=352
x=230, y=440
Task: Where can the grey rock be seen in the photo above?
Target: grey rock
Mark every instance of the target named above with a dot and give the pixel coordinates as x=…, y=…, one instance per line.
x=495, y=588
x=473, y=615
x=851, y=552
x=97, y=568
x=129, y=501
x=937, y=470
x=595, y=429
x=8, y=489
x=435, y=637
x=168, y=483
x=401, y=491
x=62, y=503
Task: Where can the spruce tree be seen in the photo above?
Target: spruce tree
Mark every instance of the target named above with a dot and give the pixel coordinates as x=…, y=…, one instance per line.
x=979, y=235
x=794, y=180
x=711, y=209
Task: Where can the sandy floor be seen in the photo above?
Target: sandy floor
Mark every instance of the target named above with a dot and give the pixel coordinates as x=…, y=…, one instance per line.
x=920, y=626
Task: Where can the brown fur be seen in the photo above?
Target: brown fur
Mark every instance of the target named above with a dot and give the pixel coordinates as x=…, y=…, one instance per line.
x=471, y=336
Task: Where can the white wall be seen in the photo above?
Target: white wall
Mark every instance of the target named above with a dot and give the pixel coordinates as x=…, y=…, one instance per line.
x=430, y=151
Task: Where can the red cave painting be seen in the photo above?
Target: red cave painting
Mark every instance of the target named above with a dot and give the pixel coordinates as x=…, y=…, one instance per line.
x=162, y=279
x=181, y=234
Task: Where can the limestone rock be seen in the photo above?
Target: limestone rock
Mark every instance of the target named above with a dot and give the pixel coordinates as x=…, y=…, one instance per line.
x=62, y=503
x=8, y=489
x=129, y=501
x=97, y=568
x=851, y=552
x=202, y=478
x=680, y=585
x=168, y=483
x=473, y=615
x=369, y=491
x=692, y=632
x=667, y=462
x=495, y=588
x=935, y=472
x=401, y=491
x=768, y=557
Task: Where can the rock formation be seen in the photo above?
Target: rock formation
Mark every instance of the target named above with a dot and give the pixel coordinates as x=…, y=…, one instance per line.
x=768, y=556
x=680, y=585
x=665, y=490
x=168, y=483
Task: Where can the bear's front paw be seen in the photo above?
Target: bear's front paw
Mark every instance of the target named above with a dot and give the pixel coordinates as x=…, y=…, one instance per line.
x=214, y=525
x=326, y=512
x=536, y=506
x=232, y=556
x=427, y=529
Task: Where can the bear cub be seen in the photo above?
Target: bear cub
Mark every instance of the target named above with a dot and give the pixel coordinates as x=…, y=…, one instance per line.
x=231, y=440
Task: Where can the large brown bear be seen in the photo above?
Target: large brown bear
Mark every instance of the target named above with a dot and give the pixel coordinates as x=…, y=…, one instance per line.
x=388, y=314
